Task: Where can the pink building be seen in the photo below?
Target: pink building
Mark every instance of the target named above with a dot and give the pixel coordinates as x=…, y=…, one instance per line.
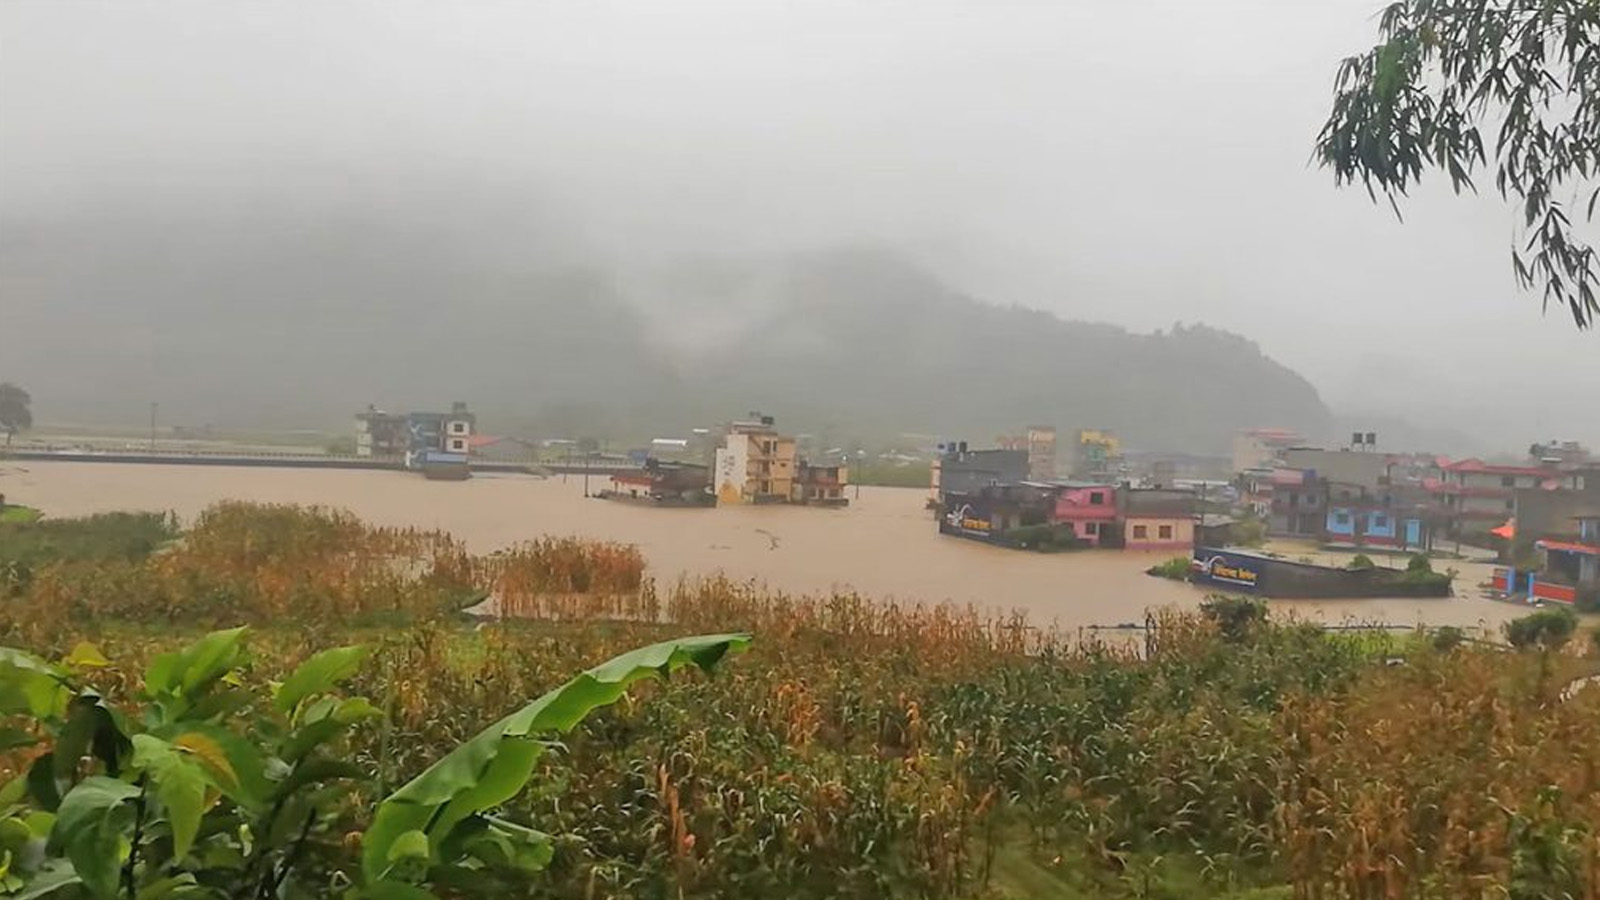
x=1090, y=509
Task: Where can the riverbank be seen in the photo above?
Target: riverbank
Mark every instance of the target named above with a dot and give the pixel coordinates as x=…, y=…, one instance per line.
x=884, y=544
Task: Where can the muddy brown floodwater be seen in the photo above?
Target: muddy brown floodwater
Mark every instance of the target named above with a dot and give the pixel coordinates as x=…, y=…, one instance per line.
x=885, y=544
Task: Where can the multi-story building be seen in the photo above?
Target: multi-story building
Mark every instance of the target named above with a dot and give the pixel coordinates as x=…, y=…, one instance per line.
x=1367, y=470
x=755, y=464
x=417, y=437
x=1477, y=496
x=963, y=471
x=1394, y=517
x=1096, y=455
x=1571, y=571
x=380, y=433
x=821, y=484
x=1298, y=504
x=1041, y=452
x=1260, y=448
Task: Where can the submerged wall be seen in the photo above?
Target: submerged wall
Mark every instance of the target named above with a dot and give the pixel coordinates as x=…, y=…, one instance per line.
x=1233, y=570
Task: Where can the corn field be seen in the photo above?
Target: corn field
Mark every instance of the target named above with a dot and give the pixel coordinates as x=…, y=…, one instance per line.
x=868, y=750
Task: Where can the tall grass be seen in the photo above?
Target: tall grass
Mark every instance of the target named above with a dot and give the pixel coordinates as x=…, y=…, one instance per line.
x=867, y=749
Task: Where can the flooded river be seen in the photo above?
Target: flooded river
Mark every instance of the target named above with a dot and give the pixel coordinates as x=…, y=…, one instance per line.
x=885, y=544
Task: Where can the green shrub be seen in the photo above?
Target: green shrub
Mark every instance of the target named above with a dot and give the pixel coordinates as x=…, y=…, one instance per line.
x=1448, y=638
x=1547, y=629
x=1361, y=562
x=1176, y=568
x=1236, y=618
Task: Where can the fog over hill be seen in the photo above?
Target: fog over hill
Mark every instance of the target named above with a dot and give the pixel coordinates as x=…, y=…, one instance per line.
x=274, y=309
x=619, y=216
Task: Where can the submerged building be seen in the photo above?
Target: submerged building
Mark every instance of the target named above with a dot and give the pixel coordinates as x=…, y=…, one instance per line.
x=438, y=444
x=755, y=464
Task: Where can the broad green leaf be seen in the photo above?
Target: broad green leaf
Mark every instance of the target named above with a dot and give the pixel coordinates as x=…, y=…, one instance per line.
x=235, y=766
x=356, y=709
x=394, y=890
x=179, y=782
x=14, y=833
x=92, y=727
x=12, y=738
x=52, y=876
x=319, y=674
x=40, y=823
x=324, y=721
x=166, y=887
x=411, y=845
x=89, y=828
x=493, y=766
x=14, y=790
x=42, y=786
x=187, y=673
x=407, y=859
x=313, y=771
x=31, y=686
x=507, y=845
x=86, y=656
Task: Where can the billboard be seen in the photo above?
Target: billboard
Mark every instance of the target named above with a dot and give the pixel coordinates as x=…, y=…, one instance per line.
x=967, y=516
x=1229, y=570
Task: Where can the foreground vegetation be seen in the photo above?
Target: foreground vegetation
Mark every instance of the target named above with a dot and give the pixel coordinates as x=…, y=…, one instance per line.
x=859, y=749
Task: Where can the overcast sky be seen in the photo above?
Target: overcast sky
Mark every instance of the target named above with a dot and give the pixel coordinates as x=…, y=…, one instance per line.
x=1138, y=163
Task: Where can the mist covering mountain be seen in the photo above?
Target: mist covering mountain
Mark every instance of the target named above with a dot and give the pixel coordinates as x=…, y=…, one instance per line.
x=272, y=309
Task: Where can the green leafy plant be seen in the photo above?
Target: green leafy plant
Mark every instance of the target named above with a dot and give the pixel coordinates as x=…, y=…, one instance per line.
x=1235, y=618
x=1547, y=629
x=211, y=792
x=1176, y=568
x=437, y=826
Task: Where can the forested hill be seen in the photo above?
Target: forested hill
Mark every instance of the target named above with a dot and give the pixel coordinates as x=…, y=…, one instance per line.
x=860, y=337
x=285, y=317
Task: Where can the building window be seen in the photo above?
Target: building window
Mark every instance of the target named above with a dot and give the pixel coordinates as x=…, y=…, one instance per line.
x=1097, y=498
x=1294, y=500
x=1091, y=528
x=458, y=445
x=1379, y=520
x=1508, y=481
x=458, y=427
x=1511, y=506
x=1166, y=532
x=1141, y=532
x=1341, y=518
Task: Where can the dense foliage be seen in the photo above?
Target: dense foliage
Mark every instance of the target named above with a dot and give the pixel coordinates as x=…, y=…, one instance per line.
x=1446, y=71
x=866, y=749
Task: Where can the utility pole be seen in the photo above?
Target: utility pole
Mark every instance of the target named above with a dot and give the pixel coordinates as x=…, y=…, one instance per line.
x=153, y=407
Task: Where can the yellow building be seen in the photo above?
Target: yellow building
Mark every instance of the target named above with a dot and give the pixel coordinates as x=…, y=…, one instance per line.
x=1096, y=454
x=755, y=464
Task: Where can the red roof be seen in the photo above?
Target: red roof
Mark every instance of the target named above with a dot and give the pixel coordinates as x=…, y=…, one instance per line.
x=482, y=440
x=1568, y=547
x=1478, y=465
